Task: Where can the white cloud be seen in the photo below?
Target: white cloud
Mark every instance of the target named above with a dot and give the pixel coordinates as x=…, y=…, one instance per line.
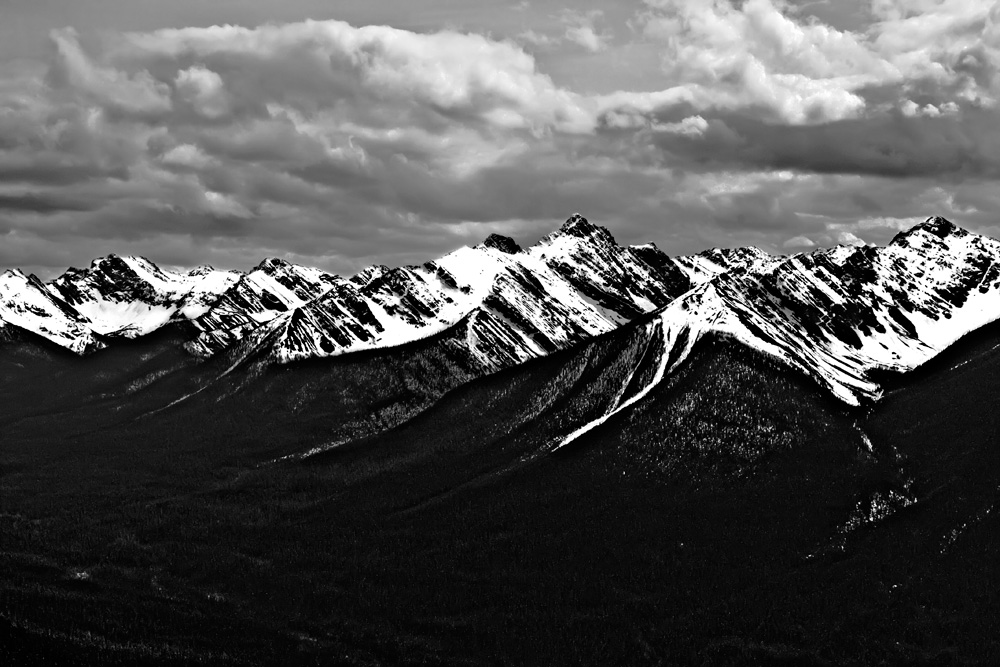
x=848, y=238
x=799, y=243
x=581, y=30
x=323, y=63
x=225, y=206
x=888, y=223
x=535, y=38
x=758, y=54
x=574, y=28
x=692, y=126
x=186, y=155
x=587, y=37
x=755, y=55
x=204, y=90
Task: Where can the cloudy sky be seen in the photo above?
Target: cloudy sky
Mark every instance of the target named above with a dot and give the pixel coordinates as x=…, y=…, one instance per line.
x=341, y=134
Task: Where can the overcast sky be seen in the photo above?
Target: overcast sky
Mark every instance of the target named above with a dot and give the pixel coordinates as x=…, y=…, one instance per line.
x=342, y=134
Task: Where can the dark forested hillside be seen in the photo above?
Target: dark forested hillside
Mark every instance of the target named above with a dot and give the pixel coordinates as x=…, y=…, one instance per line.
x=368, y=510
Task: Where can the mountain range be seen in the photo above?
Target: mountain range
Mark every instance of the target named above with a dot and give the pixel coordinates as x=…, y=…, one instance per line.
x=840, y=315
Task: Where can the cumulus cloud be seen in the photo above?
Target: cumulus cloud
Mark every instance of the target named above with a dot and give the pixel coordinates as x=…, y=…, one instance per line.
x=760, y=54
x=395, y=75
x=799, y=243
x=204, y=90
x=577, y=29
x=341, y=146
x=537, y=39
x=274, y=135
x=756, y=55
x=587, y=37
x=135, y=93
x=581, y=30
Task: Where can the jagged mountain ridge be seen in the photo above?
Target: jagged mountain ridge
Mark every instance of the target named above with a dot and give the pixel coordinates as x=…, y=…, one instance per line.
x=514, y=303
x=130, y=296
x=27, y=304
x=835, y=314
x=511, y=304
x=840, y=315
x=83, y=310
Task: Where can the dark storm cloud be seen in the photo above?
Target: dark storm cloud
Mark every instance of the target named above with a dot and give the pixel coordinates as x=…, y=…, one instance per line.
x=36, y=203
x=44, y=172
x=962, y=144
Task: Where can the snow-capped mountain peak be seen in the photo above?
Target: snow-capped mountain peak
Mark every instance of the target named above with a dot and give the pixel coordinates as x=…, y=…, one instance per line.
x=842, y=315
x=514, y=303
x=27, y=304
x=579, y=228
x=837, y=314
x=126, y=296
x=936, y=225
x=274, y=265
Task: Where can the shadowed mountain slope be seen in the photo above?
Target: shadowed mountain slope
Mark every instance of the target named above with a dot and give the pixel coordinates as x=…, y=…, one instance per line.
x=736, y=514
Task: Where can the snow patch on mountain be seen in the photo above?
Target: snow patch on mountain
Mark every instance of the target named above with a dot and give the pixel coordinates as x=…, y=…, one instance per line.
x=26, y=303
x=273, y=287
x=129, y=297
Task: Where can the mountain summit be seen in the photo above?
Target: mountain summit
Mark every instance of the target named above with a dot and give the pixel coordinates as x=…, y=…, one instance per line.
x=502, y=243
x=127, y=297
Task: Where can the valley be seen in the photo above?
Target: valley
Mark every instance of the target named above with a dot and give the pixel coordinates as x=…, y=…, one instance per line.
x=711, y=522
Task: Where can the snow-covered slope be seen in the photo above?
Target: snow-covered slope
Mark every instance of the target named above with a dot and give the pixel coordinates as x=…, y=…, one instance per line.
x=838, y=315
x=130, y=296
x=510, y=304
x=710, y=263
x=26, y=303
x=273, y=288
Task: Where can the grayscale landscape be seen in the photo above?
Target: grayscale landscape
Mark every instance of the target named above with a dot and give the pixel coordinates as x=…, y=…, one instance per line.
x=647, y=333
